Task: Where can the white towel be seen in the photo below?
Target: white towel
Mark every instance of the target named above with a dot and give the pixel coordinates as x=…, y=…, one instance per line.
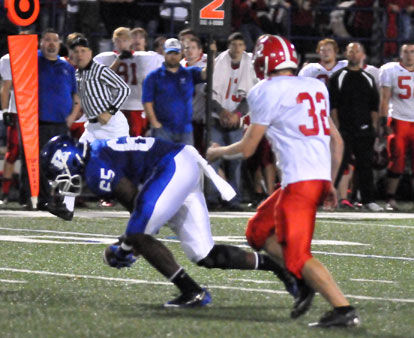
x=221, y=75
x=226, y=190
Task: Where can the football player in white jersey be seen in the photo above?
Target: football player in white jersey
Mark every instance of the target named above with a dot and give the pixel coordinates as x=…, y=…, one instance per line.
x=328, y=64
x=397, y=104
x=132, y=67
x=294, y=114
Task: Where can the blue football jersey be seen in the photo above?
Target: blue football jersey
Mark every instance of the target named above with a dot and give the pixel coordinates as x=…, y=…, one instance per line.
x=135, y=158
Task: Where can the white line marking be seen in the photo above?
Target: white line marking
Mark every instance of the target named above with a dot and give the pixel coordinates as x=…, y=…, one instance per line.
x=373, y=280
x=12, y=281
x=140, y=281
x=214, y=214
x=28, y=239
x=363, y=256
x=57, y=232
x=411, y=227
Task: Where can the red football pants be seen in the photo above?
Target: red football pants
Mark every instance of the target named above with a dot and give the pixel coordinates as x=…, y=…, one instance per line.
x=289, y=213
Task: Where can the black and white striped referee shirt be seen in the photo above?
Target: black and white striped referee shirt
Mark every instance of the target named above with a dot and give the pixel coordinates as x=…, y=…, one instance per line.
x=100, y=88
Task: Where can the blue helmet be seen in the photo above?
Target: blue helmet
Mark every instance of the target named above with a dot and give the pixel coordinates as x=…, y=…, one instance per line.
x=63, y=161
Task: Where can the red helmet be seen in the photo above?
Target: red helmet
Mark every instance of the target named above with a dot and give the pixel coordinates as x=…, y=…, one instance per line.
x=273, y=52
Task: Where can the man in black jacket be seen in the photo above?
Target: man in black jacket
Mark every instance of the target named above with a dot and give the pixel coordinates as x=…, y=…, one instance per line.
x=354, y=108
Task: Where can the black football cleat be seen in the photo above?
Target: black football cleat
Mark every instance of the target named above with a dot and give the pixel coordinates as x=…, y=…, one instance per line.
x=304, y=299
x=339, y=317
x=60, y=211
x=193, y=299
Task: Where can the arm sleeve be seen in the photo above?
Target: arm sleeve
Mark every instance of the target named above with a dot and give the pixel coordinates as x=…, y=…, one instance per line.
x=116, y=82
x=384, y=78
x=374, y=106
x=196, y=72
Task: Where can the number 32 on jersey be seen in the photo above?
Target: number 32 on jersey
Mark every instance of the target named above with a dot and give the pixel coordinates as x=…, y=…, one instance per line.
x=316, y=113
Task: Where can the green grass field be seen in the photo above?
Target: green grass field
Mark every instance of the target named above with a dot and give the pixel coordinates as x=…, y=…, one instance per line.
x=53, y=282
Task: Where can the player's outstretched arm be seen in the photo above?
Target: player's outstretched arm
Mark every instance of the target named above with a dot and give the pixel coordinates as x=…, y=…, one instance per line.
x=246, y=146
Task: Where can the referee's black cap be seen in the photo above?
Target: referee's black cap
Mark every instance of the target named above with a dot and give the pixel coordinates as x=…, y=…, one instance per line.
x=83, y=42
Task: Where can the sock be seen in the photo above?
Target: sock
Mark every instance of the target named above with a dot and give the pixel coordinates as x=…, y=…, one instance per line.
x=266, y=263
x=343, y=309
x=184, y=282
x=7, y=182
x=69, y=201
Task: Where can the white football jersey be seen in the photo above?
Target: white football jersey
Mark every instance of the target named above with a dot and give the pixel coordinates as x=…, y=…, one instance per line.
x=401, y=81
x=5, y=73
x=133, y=71
x=317, y=71
x=295, y=110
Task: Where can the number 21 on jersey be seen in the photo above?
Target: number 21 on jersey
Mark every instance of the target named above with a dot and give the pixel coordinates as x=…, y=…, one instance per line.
x=311, y=127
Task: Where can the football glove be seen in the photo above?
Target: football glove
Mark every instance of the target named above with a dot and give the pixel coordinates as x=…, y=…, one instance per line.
x=118, y=258
x=125, y=54
x=8, y=119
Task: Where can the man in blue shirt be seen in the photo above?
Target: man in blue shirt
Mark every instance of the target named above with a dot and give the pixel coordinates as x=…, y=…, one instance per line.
x=167, y=96
x=59, y=105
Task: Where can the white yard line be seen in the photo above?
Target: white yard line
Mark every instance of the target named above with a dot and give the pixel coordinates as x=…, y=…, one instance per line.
x=373, y=280
x=368, y=224
x=140, y=281
x=11, y=281
x=215, y=214
x=410, y=259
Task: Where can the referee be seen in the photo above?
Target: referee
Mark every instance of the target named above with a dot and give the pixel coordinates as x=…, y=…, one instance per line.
x=354, y=109
x=102, y=92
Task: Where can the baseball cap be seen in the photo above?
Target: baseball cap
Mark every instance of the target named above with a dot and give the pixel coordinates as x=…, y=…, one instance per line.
x=83, y=42
x=172, y=45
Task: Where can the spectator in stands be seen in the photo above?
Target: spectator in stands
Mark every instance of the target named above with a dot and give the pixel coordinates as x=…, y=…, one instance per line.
x=363, y=20
x=233, y=77
x=132, y=67
x=244, y=19
x=354, y=109
x=114, y=14
x=193, y=56
x=146, y=16
x=398, y=23
x=139, y=38
x=52, y=14
x=59, y=105
x=159, y=45
x=84, y=16
x=174, y=18
x=303, y=22
x=167, y=95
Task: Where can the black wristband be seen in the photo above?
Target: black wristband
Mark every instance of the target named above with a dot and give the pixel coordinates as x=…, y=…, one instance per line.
x=112, y=110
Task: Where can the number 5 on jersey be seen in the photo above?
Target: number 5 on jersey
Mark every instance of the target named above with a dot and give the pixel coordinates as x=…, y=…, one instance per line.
x=106, y=179
x=314, y=114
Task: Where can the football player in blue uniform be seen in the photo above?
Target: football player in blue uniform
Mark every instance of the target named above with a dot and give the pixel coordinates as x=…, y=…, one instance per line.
x=159, y=182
